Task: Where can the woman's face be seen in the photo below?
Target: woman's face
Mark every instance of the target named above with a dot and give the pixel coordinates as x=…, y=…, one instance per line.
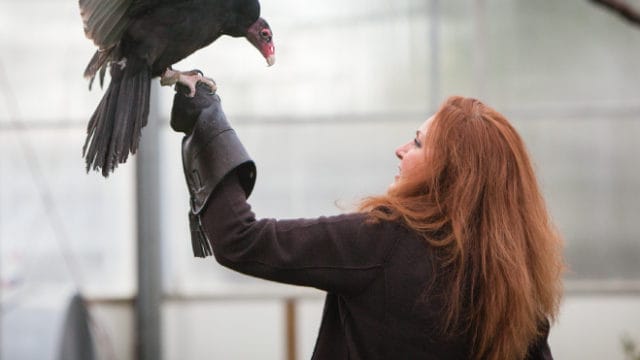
x=411, y=155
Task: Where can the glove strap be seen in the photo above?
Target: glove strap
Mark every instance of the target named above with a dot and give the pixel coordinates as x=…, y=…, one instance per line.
x=199, y=241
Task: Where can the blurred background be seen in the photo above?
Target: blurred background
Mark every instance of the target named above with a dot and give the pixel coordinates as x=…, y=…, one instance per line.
x=352, y=81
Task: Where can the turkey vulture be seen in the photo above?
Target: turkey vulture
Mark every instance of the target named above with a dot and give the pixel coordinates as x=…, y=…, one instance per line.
x=140, y=39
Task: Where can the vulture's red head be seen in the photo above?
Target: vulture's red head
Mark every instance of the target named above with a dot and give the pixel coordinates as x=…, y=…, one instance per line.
x=259, y=34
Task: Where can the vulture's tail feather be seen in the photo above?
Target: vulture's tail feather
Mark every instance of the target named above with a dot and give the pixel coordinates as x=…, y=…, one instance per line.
x=114, y=129
x=97, y=63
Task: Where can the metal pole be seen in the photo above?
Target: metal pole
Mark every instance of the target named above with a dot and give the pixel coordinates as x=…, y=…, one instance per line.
x=1, y=300
x=480, y=59
x=148, y=301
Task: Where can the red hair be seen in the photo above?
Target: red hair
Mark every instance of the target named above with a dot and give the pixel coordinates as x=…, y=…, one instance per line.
x=477, y=203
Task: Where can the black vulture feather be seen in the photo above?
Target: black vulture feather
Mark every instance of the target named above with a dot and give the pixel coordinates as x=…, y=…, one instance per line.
x=140, y=39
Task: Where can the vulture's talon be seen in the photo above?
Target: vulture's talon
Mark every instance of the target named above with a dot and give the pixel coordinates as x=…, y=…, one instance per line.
x=211, y=84
x=169, y=77
x=189, y=79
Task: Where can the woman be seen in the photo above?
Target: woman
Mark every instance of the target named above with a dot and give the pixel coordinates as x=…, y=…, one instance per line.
x=458, y=260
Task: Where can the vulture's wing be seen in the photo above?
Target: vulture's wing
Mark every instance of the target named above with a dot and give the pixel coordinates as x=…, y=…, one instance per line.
x=104, y=20
x=140, y=6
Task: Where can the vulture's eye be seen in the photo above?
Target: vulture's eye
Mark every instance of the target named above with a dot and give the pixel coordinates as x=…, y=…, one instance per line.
x=265, y=33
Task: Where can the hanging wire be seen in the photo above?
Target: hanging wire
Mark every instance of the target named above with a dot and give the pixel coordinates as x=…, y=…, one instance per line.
x=42, y=186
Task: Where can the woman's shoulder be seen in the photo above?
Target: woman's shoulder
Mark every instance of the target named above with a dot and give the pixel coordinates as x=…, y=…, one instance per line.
x=367, y=222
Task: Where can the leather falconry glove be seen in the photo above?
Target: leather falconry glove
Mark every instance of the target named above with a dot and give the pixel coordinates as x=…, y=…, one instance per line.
x=210, y=151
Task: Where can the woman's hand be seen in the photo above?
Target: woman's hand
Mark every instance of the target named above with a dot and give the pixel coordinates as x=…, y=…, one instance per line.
x=186, y=110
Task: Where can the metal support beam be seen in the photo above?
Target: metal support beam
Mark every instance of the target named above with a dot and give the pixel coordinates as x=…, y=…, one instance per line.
x=291, y=331
x=434, y=49
x=148, y=301
x=479, y=49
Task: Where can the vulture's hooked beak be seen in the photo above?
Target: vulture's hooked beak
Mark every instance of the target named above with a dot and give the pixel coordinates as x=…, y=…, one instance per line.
x=271, y=59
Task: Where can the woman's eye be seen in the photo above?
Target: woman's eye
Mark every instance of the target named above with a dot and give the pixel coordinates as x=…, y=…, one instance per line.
x=417, y=143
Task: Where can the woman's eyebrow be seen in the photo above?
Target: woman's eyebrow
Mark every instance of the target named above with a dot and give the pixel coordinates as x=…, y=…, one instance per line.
x=418, y=133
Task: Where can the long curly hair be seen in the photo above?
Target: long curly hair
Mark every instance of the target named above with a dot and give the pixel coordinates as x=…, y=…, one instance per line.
x=478, y=204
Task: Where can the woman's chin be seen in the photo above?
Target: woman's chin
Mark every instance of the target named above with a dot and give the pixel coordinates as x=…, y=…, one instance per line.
x=393, y=185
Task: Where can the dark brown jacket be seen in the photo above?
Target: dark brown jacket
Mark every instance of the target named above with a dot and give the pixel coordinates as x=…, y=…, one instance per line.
x=374, y=276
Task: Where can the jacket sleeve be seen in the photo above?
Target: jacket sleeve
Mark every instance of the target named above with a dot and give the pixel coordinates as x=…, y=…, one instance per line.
x=340, y=254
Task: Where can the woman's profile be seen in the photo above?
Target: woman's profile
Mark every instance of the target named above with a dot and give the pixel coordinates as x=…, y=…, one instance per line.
x=466, y=184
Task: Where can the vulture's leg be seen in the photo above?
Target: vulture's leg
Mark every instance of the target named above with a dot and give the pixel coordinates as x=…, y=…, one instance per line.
x=187, y=78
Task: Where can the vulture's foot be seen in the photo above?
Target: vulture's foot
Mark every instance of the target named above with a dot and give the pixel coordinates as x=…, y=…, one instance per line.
x=187, y=78
x=122, y=63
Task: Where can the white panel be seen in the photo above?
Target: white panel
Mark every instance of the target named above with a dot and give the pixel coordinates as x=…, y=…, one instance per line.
x=583, y=167
x=59, y=224
x=309, y=315
x=592, y=327
x=223, y=330
x=44, y=52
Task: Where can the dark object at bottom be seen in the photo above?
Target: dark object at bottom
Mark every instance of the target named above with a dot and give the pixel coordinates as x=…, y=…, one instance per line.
x=76, y=342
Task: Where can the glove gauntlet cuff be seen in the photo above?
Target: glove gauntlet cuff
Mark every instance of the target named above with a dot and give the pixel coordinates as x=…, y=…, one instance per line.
x=209, y=153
